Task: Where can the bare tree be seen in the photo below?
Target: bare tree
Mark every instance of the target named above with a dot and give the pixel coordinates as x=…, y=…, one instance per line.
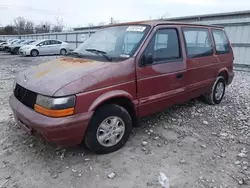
x=43, y=27
x=20, y=23
x=164, y=16
x=58, y=27
x=113, y=21
x=29, y=27
x=8, y=30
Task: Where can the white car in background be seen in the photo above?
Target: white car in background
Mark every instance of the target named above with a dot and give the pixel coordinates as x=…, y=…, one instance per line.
x=1, y=45
x=10, y=42
x=44, y=47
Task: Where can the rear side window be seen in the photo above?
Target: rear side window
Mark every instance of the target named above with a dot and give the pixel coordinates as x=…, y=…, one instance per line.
x=198, y=42
x=55, y=42
x=164, y=46
x=222, y=45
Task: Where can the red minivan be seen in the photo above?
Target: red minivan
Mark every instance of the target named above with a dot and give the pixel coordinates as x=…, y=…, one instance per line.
x=123, y=72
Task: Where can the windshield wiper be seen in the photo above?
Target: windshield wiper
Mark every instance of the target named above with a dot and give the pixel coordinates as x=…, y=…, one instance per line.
x=104, y=54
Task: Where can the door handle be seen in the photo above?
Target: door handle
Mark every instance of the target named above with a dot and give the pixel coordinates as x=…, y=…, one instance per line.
x=179, y=75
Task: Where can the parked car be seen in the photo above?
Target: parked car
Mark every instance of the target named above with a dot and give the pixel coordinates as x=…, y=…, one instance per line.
x=14, y=48
x=1, y=45
x=15, y=43
x=122, y=72
x=45, y=47
x=6, y=46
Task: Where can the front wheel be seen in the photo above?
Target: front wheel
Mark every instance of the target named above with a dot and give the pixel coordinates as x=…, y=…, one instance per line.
x=109, y=129
x=63, y=52
x=217, y=92
x=34, y=53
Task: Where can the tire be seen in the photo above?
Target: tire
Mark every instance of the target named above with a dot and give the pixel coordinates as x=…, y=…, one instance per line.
x=16, y=51
x=34, y=53
x=214, y=96
x=102, y=120
x=63, y=52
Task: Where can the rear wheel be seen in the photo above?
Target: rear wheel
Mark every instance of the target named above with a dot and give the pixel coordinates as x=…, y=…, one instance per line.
x=63, y=52
x=34, y=53
x=109, y=129
x=216, y=94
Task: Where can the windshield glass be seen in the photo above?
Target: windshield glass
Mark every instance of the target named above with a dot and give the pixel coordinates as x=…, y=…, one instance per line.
x=24, y=42
x=115, y=42
x=29, y=42
x=15, y=41
x=19, y=42
x=35, y=42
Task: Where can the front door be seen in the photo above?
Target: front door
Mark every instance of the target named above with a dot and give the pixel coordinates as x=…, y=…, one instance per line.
x=161, y=71
x=55, y=47
x=44, y=49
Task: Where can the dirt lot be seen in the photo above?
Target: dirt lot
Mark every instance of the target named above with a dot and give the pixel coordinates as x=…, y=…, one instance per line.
x=195, y=145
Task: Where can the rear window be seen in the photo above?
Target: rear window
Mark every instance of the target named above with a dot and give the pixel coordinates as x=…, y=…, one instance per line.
x=198, y=42
x=55, y=42
x=222, y=45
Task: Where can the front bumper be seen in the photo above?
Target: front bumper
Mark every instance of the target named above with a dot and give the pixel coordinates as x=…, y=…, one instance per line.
x=24, y=52
x=11, y=50
x=65, y=131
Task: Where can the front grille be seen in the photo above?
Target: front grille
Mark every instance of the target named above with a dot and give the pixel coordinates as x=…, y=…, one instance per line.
x=25, y=96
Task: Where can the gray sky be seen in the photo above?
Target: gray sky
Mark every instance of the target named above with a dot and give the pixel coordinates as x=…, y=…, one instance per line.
x=82, y=12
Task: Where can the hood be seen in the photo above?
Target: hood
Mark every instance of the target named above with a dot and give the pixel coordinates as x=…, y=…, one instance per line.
x=27, y=45
x=47, y=78
x=15, y=45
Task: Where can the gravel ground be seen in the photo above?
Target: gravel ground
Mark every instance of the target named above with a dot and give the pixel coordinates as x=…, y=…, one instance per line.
x=194, y=144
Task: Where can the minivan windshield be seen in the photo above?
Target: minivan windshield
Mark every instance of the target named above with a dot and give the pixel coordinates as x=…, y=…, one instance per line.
x=113, y=42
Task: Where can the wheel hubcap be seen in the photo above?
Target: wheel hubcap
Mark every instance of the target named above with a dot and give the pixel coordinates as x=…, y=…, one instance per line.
x=219, y=91
x=110, y=131
x=34, y=53
x=63, y=52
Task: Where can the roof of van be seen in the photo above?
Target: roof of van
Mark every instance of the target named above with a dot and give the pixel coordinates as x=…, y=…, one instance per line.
x=162, y=22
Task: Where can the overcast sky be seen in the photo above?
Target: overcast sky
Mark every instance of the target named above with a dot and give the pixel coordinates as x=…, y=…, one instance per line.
x=82, y=12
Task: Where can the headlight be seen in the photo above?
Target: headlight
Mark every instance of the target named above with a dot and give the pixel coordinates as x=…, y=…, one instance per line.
x=55, y=107
x=25, y=48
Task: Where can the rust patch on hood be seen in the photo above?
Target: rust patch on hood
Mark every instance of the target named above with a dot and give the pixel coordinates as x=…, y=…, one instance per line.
x=61, y=64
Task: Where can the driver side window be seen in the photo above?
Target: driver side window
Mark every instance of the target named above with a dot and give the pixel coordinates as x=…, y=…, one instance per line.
x=164, y=46
x=45, y=43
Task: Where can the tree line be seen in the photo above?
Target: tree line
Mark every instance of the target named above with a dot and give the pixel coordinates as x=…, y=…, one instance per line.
x=23, y=26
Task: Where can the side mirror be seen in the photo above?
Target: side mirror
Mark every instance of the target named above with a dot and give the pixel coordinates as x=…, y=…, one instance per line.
x=147, y=59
